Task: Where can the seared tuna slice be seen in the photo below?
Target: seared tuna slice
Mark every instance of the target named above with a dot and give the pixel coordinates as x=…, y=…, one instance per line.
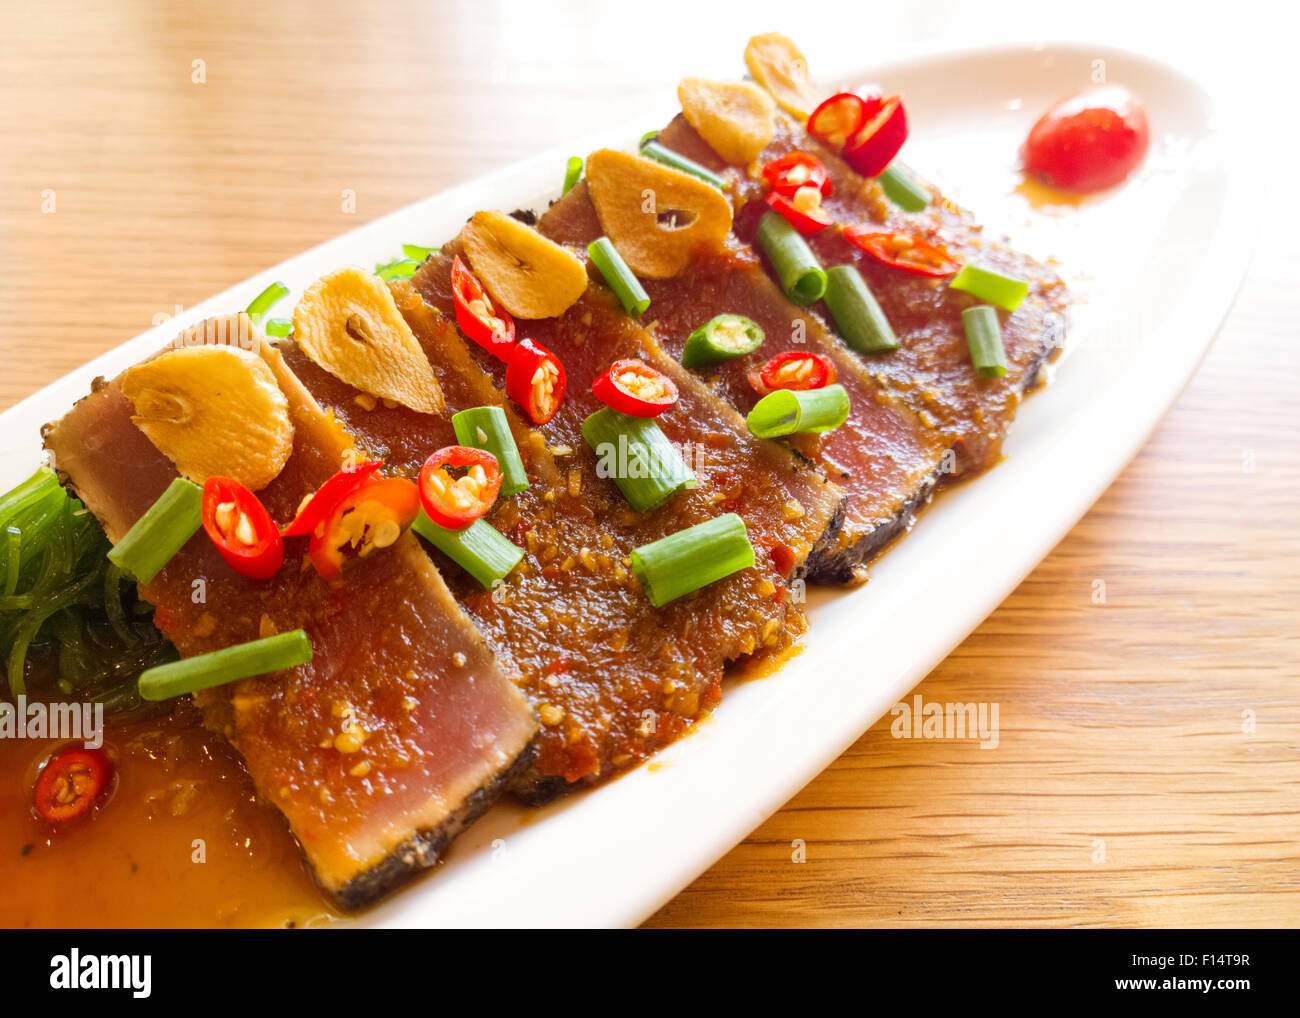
x=612, y=677
x=400, y=731
x=884, y=457
x=931, y=371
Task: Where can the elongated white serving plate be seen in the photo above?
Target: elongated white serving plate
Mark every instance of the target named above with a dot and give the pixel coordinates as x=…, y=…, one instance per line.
x=1157, y=264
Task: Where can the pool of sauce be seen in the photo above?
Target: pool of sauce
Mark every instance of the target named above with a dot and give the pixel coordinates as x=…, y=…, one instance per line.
x=178, y=795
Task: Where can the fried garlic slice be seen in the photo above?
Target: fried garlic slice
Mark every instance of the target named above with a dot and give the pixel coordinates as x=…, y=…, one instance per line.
x=736, y=118
x=214, y=411
x=656, y=217
x=349, y=324
x=527, y=274
x=777, y=65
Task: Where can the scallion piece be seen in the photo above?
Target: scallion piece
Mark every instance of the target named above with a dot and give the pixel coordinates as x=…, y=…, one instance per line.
x=417, y=253
x=1004, y=291
x=633, y=451
x=796, y=266
x=720, y=339
x=661, y=154
x=572, y=173
x=243, y=661
x=619, y=277
x=265, y=300
x=902, y=190
x=161, y=532
x=799, y=411
x=984, y=337
x=486, y=427
x=279, y=327
x=479, y=549
x=648, y=136
x=858, y=316
x=692, y=558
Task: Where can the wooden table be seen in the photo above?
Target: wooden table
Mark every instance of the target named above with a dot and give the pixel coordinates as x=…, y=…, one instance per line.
x=1147, y=772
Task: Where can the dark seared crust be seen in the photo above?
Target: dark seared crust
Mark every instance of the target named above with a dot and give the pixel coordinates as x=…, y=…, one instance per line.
x=425, y=848
x=535, y=789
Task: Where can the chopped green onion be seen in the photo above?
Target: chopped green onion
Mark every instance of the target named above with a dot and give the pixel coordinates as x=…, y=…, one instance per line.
x=720, y=339
x=417, y=253
x=902, y=190
x=572, y=173
x=265, y=300
x=858, y=316
x=660, y=154
x=799, y=411
x=692, y=558
x=242, y=661
x=486, y=427
x=650, y=134
x=796, y=266
x=619, y=277
x=161, y=532
x=401, y=268
x=984, y=337
x=479, y=549
x=1004, y=291
x=647, y=467
x=279, y=327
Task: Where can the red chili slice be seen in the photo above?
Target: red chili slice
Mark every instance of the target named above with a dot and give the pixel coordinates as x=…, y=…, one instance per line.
x=535, y=380
x=456, y=502
x=793, y=369
x=634, y=388
x=478, y=316
x=904, y=251
x=241, y=528
x=371, y=516
x=316, y=509
x=875, y=144
x=840, y=117
x=70, y=784
x=795, y=170
x=807, y=220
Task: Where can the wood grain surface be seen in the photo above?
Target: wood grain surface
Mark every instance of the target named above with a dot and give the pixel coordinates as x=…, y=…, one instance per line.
x=1146, y=772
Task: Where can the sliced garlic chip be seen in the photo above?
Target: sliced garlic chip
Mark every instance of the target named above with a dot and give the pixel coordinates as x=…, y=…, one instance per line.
x=736, y=118
x=528, y=275
x=349, y=324
x=655, y=216
x=213, y=411
x=777, y=65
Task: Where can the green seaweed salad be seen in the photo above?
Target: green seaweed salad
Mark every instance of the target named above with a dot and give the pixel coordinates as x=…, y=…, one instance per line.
x=71, y=625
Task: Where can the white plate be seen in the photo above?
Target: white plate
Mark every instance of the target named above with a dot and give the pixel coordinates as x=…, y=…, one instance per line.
x=1158, y=263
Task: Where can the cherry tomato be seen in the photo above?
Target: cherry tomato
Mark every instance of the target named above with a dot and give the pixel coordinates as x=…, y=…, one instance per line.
x=634, y=388
x=70, y=784
x=793, y=369
x=371, y=516
x=1090, y=141
x=316, y=509
x=456, y=502
x=535, y=380
x=876, y=143
x=904, y=251
x=804, y=211
x=795, y=170
x=488, y=325
x=241, y=528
